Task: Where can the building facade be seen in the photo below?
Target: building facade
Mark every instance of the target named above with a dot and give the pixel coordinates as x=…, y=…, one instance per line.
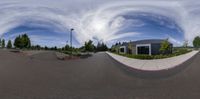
x=148, y=47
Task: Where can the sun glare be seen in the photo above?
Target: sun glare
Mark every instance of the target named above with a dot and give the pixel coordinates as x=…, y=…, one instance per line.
x=99, y=26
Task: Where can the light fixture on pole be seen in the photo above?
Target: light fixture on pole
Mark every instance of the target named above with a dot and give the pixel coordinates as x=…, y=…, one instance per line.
x=71, y=39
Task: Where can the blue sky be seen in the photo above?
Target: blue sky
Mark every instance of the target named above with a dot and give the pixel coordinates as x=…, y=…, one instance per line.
x=153, y=28
x=41, y=36
x=148, y=26
x=48, y=22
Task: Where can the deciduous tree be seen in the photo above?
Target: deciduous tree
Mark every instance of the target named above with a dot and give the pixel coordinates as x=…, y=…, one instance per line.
x=196, y=42
x=165, y=47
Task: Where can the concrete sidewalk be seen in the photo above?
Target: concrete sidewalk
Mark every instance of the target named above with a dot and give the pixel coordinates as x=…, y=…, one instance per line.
x=153, y=65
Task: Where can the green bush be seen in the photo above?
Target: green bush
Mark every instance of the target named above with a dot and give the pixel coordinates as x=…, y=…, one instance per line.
x=142, y=56
x=74, y=53
x=181, y=51
x=67, y=52
x=138, y=56
x=160, y=56
x=177, y=52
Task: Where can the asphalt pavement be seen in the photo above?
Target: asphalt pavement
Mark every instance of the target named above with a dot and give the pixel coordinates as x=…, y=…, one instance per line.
x=42, y=76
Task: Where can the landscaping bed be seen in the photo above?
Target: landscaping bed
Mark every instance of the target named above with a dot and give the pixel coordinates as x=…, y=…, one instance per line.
x=176, y=52
x=75, y=55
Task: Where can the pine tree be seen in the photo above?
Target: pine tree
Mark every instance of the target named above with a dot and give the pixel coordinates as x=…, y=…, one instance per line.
x=25, y=41
x=9, y=45
x=22, y=41
x=101, y=47
x=3, y=43
x=0, y=43
x=17, y=41
x=46, y=48
x=67, y=47
x=89, y=46
x=55, y=48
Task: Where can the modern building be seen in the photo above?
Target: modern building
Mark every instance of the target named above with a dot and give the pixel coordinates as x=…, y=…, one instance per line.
x=149, y=47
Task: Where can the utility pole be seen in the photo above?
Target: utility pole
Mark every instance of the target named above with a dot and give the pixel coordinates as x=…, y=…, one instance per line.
x=71, y=39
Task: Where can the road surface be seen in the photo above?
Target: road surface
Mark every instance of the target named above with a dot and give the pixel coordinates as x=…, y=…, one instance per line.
x=98, y=77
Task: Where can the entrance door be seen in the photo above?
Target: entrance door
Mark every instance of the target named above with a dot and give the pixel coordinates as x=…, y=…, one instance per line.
x=143, y=50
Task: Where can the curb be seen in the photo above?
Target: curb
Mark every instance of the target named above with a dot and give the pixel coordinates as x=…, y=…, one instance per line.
x=150, y=70
x=161, y=74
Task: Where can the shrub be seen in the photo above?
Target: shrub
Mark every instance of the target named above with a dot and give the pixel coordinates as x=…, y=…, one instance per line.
x=181, y=51
x=137, y=56
x=160, y=56
x=178, y=51
x=143, y=57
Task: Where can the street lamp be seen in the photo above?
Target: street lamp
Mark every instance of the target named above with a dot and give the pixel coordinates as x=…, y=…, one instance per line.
x=71, y=39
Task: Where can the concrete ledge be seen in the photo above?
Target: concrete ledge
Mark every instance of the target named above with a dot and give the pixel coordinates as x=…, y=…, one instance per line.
x=61, y=56
x=153, y=65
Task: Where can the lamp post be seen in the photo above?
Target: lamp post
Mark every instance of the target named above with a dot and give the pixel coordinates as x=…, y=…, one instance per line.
x=71, y=39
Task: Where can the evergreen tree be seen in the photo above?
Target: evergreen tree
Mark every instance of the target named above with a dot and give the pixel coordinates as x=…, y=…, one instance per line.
x=46, y=48
x=22, y=41
x=9, y=45
x=105, y=48
x=67, y=47
x=3, y=43
x=89, y=46
x=38, y=47
x=25, y=41
x=98, y=46
x=101, y=47
x=55, y=48
x=17, y=41
x=0, y=43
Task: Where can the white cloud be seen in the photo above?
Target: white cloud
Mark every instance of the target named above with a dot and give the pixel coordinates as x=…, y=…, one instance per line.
x=122, y=35
x=92, y=18
x=50, y=40
x=176, y=42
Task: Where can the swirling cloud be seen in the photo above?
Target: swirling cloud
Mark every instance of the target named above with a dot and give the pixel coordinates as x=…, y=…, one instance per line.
x=103, y=20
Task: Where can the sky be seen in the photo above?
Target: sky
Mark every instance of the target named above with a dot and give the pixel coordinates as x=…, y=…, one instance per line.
x=48, y=22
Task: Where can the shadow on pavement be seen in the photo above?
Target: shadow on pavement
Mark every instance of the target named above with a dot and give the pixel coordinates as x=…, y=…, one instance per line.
x=15, y=51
